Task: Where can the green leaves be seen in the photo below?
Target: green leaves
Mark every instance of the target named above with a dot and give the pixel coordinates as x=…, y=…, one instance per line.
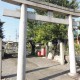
x=1, y=30
x=73, y=4
x=43, y=32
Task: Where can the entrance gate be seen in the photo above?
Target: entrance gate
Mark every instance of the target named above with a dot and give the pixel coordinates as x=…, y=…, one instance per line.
x=24, y=15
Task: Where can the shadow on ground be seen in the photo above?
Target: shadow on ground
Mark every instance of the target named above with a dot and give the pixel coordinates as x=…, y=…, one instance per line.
x=38, y=69
x=12, y=55
x=13, y=75
x=15, y=55
x=46, y=78
x=55, y=75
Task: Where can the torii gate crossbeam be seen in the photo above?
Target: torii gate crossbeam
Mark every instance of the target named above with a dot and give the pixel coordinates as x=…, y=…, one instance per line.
x=35, y=16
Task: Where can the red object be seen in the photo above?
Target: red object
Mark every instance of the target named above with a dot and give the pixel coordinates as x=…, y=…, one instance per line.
x=39, y=53
x=43, y=52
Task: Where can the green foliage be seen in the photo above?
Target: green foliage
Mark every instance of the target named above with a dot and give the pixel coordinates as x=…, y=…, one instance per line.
x=42, y=32
x=1, y=30
x=77, y=49
x=73, y=4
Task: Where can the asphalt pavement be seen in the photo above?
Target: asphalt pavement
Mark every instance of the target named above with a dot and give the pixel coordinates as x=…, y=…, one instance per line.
x=37, y=68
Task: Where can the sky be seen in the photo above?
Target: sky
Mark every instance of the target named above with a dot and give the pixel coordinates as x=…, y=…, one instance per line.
x=11, y=25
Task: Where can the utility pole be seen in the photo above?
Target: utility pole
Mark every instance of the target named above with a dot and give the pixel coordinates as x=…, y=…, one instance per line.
x=0, y=58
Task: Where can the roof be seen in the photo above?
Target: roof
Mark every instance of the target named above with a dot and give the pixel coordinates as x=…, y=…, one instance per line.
x=47, y=6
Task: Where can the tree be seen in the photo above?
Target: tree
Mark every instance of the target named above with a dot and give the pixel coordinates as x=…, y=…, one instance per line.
x=56, y=30
x=31, y=34
x=42, y=32
x=1, y=29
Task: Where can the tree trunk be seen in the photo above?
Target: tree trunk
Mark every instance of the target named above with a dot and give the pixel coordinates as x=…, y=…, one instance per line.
x=32, y=47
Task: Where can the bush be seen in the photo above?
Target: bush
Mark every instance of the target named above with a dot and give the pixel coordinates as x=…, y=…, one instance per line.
x=77, y=49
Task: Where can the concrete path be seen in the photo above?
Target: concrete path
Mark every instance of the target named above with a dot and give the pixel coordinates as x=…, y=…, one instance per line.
x=37, y=68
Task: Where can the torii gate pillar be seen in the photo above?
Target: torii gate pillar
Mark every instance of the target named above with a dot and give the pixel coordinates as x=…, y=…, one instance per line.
x=22, y=44
x=0, y=58
x=71, y=48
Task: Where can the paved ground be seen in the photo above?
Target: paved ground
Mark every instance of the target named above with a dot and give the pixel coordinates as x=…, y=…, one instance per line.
x=37, y=68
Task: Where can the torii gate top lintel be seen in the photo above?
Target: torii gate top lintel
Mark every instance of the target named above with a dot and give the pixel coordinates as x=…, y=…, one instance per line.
x=47, y=6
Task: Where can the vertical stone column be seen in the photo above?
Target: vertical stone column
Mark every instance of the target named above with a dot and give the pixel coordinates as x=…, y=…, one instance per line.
x=61, y=53
x=0, y=58
x=71, y=48
x=46, y=50
x=22, y=44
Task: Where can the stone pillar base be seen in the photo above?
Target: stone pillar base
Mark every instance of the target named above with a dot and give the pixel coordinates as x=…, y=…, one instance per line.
x=76, y=75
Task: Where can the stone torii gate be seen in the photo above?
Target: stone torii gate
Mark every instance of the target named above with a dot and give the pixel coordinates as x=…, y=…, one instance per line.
x=24, y=15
